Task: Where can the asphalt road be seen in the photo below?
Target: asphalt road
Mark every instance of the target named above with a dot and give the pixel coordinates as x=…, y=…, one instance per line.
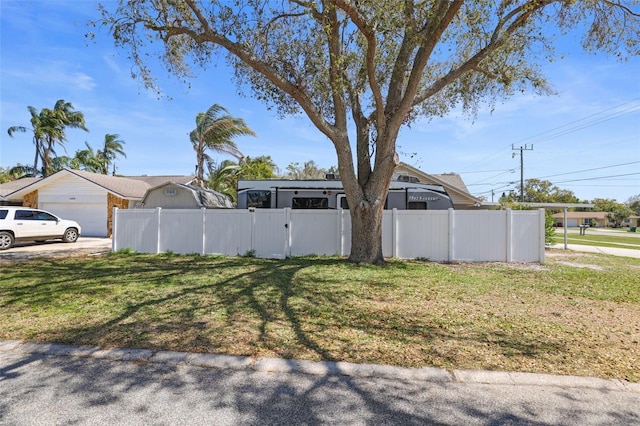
x=53, y=388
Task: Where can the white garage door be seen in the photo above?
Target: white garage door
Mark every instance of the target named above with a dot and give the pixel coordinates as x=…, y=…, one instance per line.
x=572, y=223
x=92, y=217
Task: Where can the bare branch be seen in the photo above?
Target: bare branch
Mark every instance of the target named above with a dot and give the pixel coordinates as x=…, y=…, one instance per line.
x=626, y=9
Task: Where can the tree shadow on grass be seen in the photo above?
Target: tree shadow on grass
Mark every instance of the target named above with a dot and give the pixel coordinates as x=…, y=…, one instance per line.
x=229, y=305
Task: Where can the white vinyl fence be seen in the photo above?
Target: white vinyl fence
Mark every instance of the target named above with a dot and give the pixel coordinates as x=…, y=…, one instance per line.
x=444, y=235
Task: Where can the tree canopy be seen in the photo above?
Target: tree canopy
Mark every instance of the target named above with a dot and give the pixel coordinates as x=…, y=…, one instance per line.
x=363, y=69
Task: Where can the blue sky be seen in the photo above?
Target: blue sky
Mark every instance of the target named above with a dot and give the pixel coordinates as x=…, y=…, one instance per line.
x=586, y=138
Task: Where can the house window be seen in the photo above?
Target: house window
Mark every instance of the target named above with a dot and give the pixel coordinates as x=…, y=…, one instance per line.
x=310, y=203
x=259, y=199
x=170, y=191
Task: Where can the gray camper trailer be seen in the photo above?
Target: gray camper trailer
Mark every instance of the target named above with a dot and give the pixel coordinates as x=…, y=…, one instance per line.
x=405, y=193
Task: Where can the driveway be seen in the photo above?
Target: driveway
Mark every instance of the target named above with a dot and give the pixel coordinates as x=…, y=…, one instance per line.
x=56, y=248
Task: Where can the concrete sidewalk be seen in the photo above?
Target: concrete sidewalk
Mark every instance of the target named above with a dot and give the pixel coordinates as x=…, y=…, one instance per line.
x=613, y=251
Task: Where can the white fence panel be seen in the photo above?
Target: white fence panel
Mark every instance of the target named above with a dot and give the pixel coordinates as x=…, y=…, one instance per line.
x=423, y=235
x=314, y=232
x=228, y=232
x=136, y=229
x=480, y=236
x=527, y=236
x=181, y=231
x=346, y=232
x=269, y=238
x=453, y=235
x=388, y=234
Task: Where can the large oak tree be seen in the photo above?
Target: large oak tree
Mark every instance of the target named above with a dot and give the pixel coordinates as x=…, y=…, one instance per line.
x=368, y=67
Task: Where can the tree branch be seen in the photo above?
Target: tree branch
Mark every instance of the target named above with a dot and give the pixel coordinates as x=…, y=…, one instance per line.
x=626, y=9
x=369, y=34
x=519, y=16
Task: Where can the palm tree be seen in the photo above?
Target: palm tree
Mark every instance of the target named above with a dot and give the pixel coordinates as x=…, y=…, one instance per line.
x=86, y=159
x=38, y=135
x=224, y=177
x=215, y=130
x=54, y=123
x=48, y=127
x=19, y=171
x=111, y=149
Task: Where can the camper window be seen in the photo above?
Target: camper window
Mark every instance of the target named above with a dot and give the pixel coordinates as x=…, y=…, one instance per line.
x=259, y=199
x=309, y=203
x=417, y=205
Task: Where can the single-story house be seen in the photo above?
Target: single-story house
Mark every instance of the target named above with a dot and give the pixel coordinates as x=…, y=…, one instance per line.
x=592, y=219
x=452, y=182
x=88, y=198
x=172, y=195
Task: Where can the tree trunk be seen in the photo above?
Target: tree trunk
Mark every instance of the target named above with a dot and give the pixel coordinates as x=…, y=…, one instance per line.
x=366, y=235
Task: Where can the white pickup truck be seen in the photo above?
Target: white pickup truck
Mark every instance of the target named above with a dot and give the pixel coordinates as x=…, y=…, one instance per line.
x=26, y=224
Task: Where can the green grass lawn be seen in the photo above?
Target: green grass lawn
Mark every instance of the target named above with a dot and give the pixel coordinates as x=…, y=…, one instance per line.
x=577, y=314
x=593, y=239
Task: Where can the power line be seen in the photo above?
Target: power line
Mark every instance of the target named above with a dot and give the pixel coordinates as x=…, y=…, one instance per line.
x=544, y=136
x=579, y=125
x=599, y=177
x=485, y=171
x=589, y=170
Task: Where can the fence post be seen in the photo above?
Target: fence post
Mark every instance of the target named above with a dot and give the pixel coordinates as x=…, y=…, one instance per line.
x=451, y=238
x=287, y=226
x=252, y=212
x=394, y=233
x=543, y=231
x=341, y=231
x=158, y=234
x=204, y=230
x=509, y=241
x=114, y=223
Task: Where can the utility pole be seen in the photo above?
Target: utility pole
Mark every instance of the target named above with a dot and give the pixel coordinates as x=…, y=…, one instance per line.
x=522, y=148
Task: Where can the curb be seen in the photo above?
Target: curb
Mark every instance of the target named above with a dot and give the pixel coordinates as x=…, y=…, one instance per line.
x=323, y=368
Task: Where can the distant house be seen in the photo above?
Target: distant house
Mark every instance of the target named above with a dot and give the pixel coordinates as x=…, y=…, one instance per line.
x=88, y=198
x=452, y=182
x=591, y=219
x=172, y=195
